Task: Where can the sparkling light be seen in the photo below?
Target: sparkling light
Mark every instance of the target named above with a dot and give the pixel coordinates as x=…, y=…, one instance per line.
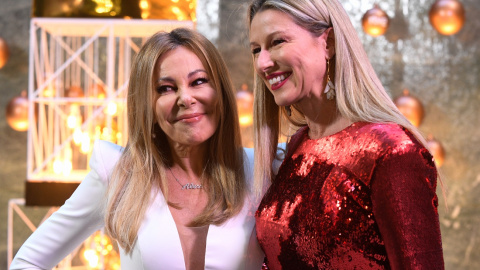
x=111, y=108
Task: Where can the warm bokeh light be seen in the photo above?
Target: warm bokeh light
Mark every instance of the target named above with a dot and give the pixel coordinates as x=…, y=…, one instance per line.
x=74, y=119
x=67, y=167
x=144, y=9
x=74, y=92
x=375, y=21
x=98, y=248
x=17, y=112
x=91, y=257
x=111, y=109
x=119, y=137
x=71, y=121
x=106, y=7
x=180, y=10
x=77, y=136
x=97, y=91
x=48, y=92
x=245, y=106
x=436, y=149
x=62, y=167
x=57, y=166
x=410, y=107
x=447, y=16
x=4, y=52
x=85, y=143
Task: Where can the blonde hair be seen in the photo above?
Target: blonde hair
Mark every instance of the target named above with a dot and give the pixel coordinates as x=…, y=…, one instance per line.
x=360, y=95
x=144, y=160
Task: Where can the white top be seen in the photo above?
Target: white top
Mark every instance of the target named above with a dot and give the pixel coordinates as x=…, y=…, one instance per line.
x=232, y=245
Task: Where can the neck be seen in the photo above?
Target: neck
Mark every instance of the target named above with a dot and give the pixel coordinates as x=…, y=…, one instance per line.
x=190, y=159
x=323, y=118
x=320, y=130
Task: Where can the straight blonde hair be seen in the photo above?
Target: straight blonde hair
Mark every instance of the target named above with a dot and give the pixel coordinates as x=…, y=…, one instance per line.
x=140, y=171
x=360, y=95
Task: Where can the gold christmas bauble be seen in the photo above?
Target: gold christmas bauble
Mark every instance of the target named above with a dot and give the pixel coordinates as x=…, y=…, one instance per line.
x=375, y=21
x=4, y=52
x=447, y=16
x=436, y=149
x=74, y=92
x=17, y=112
x=410, y=107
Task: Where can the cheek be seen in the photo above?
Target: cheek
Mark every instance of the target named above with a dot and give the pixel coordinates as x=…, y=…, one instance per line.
x=162, y=110
x=255, y=65
x=215, y=107
x=212, y=98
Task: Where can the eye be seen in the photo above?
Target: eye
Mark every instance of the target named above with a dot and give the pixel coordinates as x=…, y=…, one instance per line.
x=199, y=81
x=277, y=41
x=255, y=51
x=162, y=89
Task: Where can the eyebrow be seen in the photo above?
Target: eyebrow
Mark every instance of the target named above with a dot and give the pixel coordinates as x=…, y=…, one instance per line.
x=269, y=36
x=169, y=79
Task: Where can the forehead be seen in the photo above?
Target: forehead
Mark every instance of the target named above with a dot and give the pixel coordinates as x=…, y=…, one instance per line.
x=177, y=61
x=271, y=21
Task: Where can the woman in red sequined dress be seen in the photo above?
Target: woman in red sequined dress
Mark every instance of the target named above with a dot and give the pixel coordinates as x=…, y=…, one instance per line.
x=357, y=187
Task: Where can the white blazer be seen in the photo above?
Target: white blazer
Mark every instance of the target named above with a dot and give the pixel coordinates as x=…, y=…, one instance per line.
x=232, y=245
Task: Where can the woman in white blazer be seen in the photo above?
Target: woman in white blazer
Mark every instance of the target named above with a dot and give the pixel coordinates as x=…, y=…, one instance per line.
x=178, y=196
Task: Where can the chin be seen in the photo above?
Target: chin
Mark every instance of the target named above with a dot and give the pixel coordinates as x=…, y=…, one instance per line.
x=282, y=102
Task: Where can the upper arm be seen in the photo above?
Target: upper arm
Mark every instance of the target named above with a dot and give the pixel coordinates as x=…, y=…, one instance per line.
x=405, y=207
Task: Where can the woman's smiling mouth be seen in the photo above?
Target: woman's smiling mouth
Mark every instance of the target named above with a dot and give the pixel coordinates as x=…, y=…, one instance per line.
x=277, y=81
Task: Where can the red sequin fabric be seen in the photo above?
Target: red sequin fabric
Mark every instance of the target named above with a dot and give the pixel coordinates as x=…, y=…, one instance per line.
x=363, y=198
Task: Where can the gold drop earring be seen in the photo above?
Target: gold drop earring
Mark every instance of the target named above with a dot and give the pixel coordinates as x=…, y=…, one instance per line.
x=330, y=88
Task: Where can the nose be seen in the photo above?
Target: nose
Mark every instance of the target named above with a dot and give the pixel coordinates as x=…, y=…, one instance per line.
x=264, y=61
x=185, y=98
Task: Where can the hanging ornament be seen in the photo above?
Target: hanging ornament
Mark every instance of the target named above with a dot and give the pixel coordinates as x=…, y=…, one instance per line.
x=436, y=149
x=245, y=106
x=97, y=91
x=447, y=16
x=74, y=92
x=410, y=107
x=375, y=21
x=17, y=112
x=4, y=52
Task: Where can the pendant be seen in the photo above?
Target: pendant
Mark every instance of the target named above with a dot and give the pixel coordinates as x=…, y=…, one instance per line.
x=191, y=186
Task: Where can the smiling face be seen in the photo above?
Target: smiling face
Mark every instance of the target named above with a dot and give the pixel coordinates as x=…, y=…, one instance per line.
x=289, y=59
x=186, y=101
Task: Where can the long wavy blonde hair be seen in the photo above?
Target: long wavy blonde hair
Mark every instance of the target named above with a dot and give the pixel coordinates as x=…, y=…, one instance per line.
x=142, y=165
x=360, y=95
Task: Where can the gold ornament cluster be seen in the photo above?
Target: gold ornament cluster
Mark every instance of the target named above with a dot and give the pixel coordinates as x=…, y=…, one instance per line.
x=446, y=16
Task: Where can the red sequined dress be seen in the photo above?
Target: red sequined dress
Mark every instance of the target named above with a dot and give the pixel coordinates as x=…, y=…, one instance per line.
x=363, y=198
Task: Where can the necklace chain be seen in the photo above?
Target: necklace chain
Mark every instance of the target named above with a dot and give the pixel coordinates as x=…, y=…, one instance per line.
x=187, y=185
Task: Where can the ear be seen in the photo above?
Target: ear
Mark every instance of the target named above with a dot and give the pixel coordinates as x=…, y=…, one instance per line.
x=330, y=42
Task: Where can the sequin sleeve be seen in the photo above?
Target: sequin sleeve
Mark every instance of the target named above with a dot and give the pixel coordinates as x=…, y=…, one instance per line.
x=405, y=207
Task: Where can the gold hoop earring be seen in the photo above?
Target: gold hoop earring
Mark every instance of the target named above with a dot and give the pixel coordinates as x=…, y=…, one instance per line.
x=330, y=87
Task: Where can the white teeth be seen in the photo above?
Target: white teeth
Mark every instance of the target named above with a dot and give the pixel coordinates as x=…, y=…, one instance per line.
x=276, y=79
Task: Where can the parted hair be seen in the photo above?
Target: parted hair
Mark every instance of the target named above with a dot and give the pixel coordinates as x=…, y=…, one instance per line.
x=360, y=95
x=140, y=171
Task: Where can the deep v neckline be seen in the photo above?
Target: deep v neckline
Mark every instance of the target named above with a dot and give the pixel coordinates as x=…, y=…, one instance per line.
x=191, y=242
x=174, y=232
